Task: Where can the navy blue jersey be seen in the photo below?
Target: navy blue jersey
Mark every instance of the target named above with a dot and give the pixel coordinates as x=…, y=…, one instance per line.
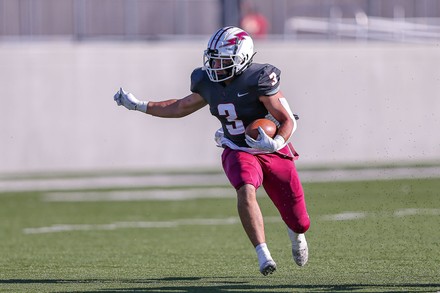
x=237, y=104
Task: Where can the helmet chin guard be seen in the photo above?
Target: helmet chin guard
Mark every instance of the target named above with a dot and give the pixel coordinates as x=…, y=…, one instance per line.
x=231, y=49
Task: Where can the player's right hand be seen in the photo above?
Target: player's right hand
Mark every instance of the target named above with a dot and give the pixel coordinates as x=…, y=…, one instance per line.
x=265, y=142
x=129, y=101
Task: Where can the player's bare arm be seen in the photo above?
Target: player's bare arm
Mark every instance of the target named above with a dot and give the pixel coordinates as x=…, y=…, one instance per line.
x=176, y=108
x=173, y=108
x=278, y=111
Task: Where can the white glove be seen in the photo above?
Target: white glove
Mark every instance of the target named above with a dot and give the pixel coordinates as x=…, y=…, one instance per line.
x=129, y=101
x=265, y=142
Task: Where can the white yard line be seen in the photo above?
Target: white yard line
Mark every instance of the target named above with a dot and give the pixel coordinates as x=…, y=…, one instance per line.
x=157, y=194
x=219, y=179
x=370, y=174
x=413, y=212
x=344, y=216
x=125, y=225
x=113, y=182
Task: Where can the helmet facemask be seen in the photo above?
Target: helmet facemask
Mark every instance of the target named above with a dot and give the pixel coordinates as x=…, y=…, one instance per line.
x=225, y=66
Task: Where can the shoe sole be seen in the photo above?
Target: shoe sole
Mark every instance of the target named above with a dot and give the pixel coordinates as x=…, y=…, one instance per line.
x=269, y=270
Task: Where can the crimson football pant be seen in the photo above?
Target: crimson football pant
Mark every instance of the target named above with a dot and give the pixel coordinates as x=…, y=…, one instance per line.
x=277, y=173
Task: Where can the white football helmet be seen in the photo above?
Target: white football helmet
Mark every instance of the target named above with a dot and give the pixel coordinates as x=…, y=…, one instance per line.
x=230, y=51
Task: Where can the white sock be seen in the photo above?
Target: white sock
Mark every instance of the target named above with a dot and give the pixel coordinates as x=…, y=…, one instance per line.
x=298, y=239
x=263, y=253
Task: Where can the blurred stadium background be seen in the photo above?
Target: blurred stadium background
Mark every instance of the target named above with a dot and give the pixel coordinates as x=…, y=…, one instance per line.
x=364, y=76
x=157, y=19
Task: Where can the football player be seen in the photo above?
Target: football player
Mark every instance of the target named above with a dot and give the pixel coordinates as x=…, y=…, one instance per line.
x=238, y=92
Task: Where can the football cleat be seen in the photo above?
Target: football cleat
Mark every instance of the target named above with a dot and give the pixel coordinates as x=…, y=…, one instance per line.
x=268, y=267
x=300, y=255
x=300, y=250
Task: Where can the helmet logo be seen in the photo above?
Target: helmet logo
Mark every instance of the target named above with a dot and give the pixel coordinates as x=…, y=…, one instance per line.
x=238, y=37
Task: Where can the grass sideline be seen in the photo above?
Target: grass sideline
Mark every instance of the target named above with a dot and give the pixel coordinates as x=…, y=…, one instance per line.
x=370, y=236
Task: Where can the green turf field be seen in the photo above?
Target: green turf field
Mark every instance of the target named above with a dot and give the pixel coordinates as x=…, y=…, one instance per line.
x=381, y=236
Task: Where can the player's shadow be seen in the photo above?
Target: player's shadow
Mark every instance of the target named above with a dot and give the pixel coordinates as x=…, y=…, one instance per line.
x=222, y=284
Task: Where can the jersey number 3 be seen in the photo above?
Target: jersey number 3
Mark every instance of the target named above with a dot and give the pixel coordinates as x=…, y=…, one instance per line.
x=234, y=126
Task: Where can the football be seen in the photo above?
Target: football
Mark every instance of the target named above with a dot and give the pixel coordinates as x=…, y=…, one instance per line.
x=268, y=126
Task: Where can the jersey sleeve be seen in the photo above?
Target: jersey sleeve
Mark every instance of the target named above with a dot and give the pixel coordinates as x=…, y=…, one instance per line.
x=269, y=80
x=196, y=80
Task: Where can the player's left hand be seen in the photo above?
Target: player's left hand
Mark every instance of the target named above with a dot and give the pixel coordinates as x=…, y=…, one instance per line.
x=265, y=142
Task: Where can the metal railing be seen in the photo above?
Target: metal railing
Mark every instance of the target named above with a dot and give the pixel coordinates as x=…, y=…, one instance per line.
x=363, y=27
x=159, y=19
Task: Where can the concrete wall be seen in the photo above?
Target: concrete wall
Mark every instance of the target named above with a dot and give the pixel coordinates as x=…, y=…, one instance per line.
x=357, y=103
